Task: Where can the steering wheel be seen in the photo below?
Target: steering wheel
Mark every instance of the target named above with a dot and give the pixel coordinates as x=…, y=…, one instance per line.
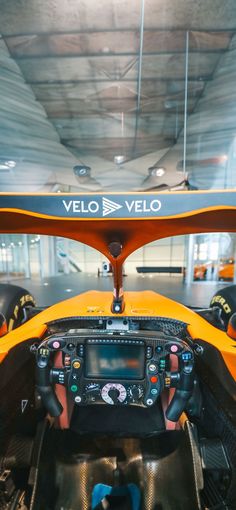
x=157, y=375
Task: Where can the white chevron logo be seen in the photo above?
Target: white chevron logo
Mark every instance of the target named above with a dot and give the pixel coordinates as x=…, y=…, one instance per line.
x=108, y=206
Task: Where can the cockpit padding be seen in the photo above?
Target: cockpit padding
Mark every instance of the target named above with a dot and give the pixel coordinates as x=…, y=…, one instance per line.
x=118, y=421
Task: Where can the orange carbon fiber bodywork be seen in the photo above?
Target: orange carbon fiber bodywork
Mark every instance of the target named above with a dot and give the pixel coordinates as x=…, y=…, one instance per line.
x=137, y=304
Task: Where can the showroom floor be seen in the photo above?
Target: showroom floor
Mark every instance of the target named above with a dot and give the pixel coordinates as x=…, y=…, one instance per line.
x=57, y=288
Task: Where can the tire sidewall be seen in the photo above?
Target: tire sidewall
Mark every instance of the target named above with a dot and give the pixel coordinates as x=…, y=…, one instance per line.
x=225, y=300
x=13, y=301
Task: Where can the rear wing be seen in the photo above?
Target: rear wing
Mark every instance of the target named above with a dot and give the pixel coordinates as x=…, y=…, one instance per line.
x=118, y=224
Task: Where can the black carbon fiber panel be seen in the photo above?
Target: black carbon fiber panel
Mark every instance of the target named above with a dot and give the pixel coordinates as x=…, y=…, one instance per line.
x=165, y=325
x=161, y=467
x=216, y=424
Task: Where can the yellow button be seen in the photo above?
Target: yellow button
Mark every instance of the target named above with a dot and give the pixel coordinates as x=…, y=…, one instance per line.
x=76, y=364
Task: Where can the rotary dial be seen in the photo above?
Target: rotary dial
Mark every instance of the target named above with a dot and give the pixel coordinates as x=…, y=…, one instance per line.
x=113, y=393
x=135, y=392
x=92, y=392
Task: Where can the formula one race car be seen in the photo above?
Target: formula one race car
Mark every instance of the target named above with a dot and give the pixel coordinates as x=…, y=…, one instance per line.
x=122, y=400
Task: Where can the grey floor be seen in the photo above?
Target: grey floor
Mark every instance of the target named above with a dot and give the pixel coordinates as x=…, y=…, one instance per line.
x=57, y=288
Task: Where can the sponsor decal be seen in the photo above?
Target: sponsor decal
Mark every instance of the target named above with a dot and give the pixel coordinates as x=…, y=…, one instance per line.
x=107, y=206
x=79, y=206
x=142, y=206
x=219, y=299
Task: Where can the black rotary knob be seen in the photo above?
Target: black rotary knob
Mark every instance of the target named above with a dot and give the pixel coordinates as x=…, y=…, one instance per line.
x=135, y=393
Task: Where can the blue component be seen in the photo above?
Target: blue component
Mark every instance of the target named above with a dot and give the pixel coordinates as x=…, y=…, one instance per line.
x=159, y=348
x=186, y=356
x=154, y=391
x=100, y=491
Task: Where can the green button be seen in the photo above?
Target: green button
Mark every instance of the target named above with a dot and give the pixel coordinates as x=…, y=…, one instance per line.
x=74, y=388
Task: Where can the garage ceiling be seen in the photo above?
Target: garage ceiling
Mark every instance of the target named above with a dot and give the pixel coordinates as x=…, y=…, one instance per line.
x=108, y=79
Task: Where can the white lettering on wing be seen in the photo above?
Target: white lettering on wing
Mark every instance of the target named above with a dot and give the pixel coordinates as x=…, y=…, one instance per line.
x=79, y=206
x=141, y=206
x=67, y=205
x=129, y=205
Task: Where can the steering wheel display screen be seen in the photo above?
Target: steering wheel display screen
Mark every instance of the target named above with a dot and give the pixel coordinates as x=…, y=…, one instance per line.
x=115, y=361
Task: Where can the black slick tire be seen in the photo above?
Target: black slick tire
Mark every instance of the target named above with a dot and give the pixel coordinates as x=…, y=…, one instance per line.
x=13, y=300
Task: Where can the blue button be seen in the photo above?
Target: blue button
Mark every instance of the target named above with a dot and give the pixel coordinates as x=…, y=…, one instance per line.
x=154, y=391
x=159, y=348
x=186, y=356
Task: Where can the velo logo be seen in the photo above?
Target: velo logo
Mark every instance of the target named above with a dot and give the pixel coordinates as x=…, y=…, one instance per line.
x=108, y=206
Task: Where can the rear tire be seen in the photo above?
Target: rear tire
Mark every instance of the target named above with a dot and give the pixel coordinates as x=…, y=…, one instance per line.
x=13, y=300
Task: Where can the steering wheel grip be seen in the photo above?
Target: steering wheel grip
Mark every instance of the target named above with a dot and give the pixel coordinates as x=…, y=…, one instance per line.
x=43, y=386
x=181, y=397
x=50, y=400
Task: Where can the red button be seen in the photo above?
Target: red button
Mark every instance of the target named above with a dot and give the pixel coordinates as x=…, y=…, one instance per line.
x=154, y=379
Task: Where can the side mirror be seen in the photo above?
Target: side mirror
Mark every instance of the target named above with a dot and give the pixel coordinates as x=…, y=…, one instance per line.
x=231, y=329
x=3, y=325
